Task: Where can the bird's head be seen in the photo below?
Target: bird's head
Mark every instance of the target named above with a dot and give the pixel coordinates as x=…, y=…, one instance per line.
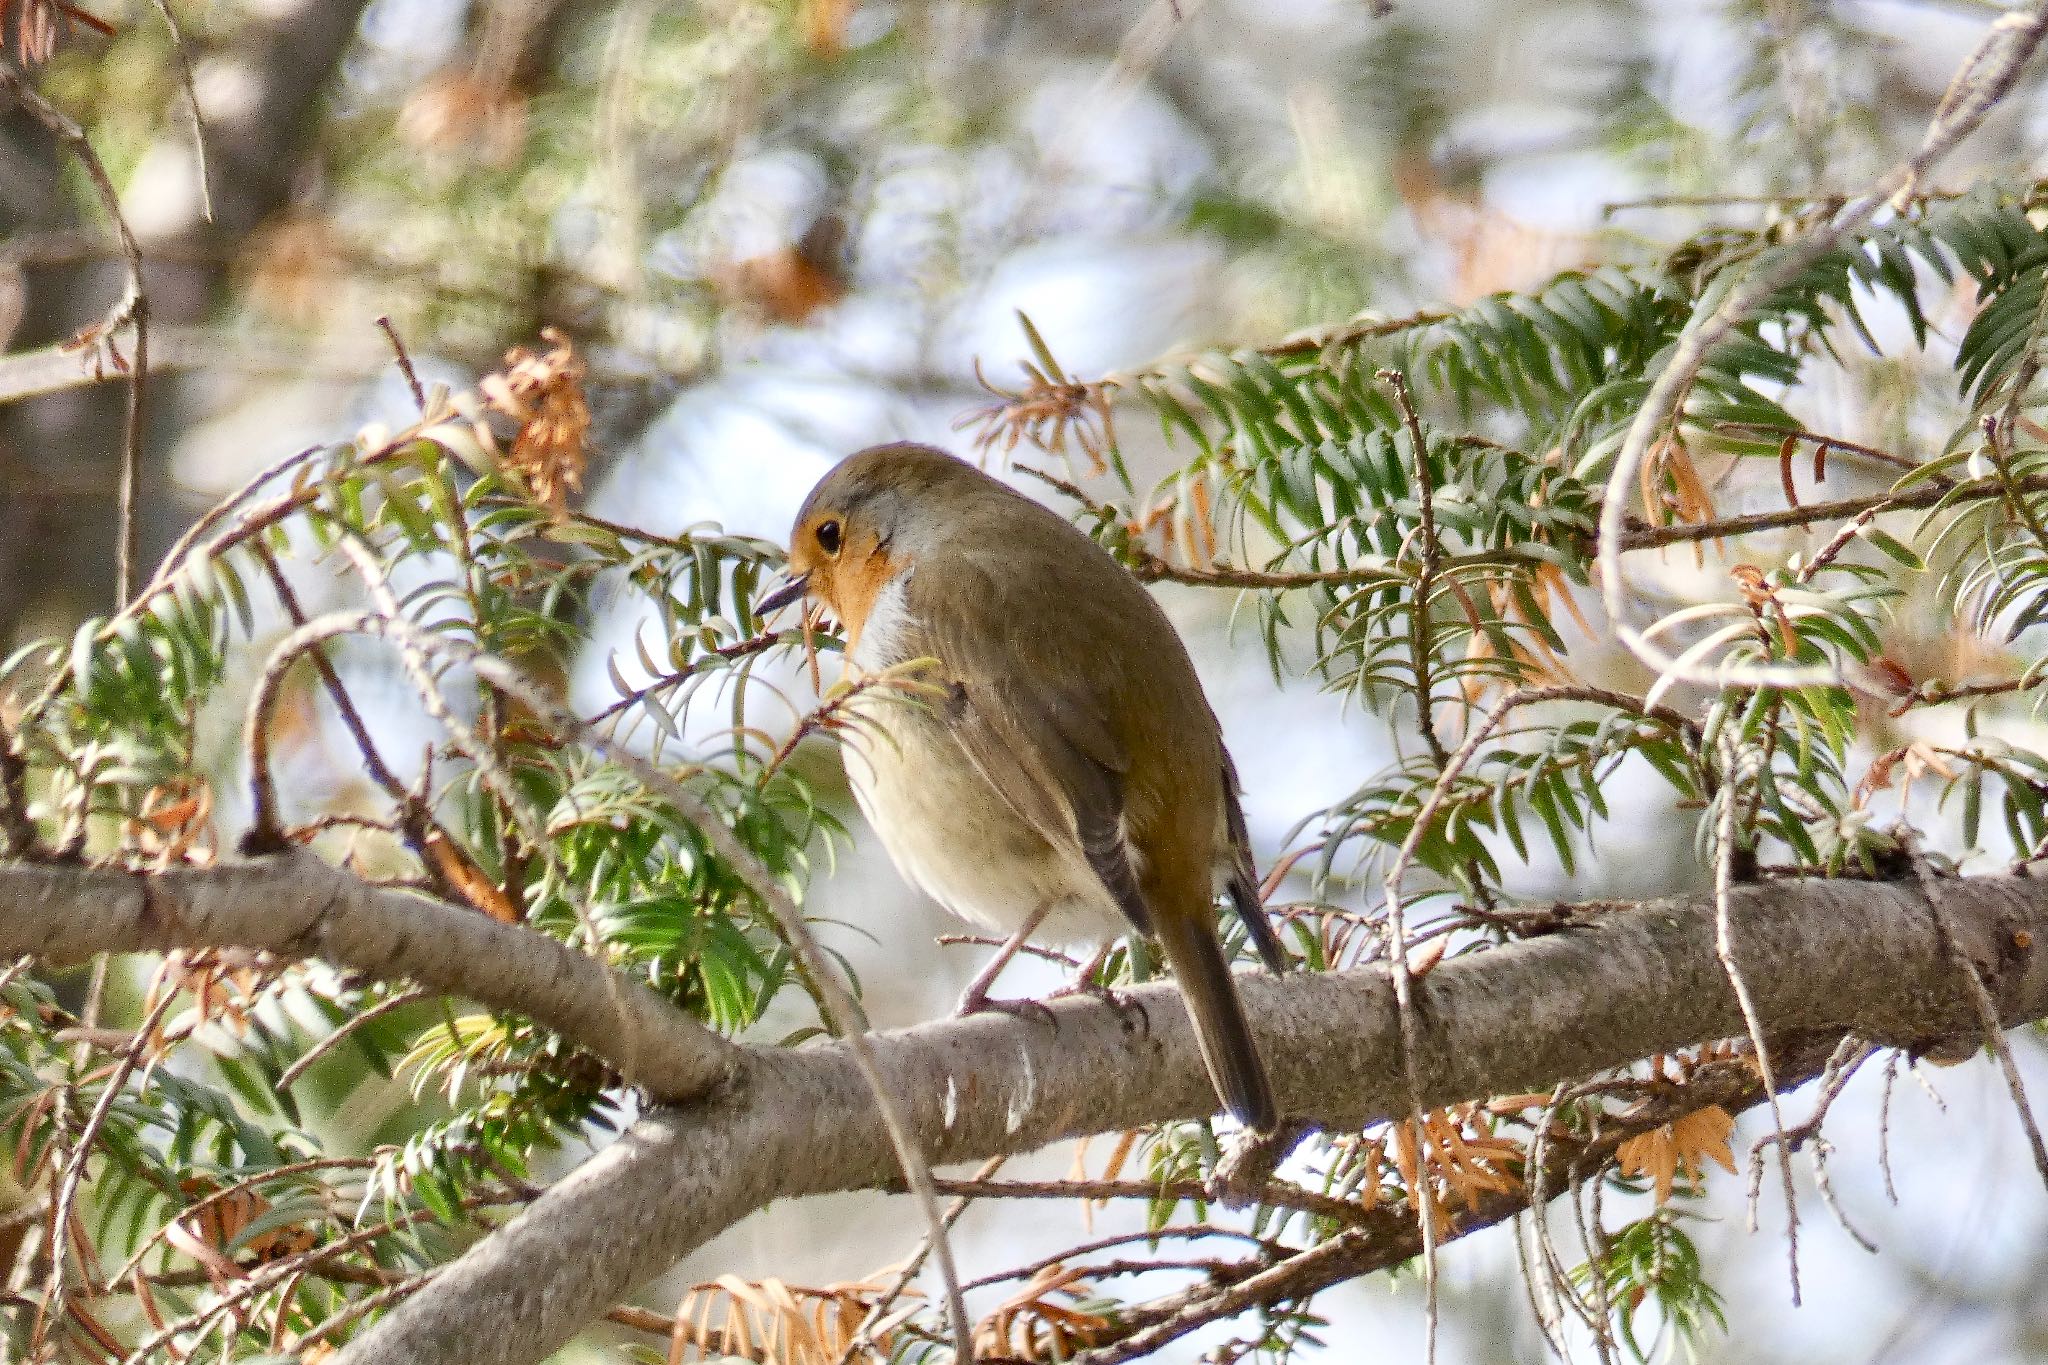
x=868, y=521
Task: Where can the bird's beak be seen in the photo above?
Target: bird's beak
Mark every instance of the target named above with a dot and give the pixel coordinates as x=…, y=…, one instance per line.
x=789, y=592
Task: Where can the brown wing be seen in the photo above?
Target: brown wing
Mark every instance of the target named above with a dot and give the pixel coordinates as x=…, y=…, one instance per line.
x=1043, y=744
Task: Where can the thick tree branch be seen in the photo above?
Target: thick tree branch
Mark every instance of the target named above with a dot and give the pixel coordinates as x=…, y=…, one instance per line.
x=1623, y=983
x=297, y=906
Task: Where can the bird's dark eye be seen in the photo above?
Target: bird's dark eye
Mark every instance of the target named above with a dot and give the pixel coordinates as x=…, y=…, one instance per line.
x=828, y=537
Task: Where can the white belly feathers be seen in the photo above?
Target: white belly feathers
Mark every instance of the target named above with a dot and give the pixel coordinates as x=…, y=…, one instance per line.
x=947, y=830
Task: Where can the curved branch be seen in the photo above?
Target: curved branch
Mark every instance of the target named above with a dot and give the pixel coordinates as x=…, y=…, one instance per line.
x=297, y=906
x=1615, y=986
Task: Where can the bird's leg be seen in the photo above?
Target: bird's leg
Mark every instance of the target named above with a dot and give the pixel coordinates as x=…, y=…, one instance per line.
x=1084, y=983
x=975, y=999
x=1084, y=980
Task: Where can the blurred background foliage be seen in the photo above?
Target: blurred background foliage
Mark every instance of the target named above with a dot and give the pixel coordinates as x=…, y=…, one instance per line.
x=766, y=234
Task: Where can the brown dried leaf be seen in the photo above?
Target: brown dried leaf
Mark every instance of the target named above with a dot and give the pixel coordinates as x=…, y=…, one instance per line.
x=208, y=1233
x=1119, y=1153
x=94, y=1328
x=544, y=394
x=1425, y=961
x=1551, y=586
x=773, y=1322
x=175, y=824
x=1029, y=1325
x=1462, y=1157
x=224, y=984
x=1692, y=501
x=1045, y=411
x=1786, y=449
x=823, y=23
x=39, y=25
x=1685, y=499
x=1685, y=1144
x=787, y=284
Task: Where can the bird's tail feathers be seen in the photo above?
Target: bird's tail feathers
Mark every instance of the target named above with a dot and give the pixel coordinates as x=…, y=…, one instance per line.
x=1196, y=957
x=1244, y=898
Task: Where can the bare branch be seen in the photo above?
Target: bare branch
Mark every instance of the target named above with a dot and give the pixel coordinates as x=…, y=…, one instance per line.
x=1830, y=956
x=297, y=906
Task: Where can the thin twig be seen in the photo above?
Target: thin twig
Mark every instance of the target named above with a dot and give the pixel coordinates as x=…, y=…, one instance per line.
x=1587, y=1220
x=82, y=1153
x=412, y=378
x=1980, y=996
x=1278, y=1194
x=1827, y=443
x=426, y=682
x=1884, y=1126
x=352, y=720
x=341, y=1031
x=1838, y=542
x=1842, y=1066
x=1926, y=495
x=1556, y=1279
x=1937, y=693
x=913, y=1263
x=360, y=1308
x=1270, y=1251
x=1422, y=648
x=219, y=512
x=191, y=89
x=1724, y=949
x=739, y=649
x=1714, y=201
x=1037, y=950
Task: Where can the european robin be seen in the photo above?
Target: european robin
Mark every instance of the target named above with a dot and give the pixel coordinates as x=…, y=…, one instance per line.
x=1066, y=777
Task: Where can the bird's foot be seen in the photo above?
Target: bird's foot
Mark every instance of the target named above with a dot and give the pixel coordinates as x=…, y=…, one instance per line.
x=978, y=1001
x=1117, y=1000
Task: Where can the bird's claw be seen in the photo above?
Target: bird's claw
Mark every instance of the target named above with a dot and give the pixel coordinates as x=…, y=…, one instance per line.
x=1117, y=1000
x=979, y=1002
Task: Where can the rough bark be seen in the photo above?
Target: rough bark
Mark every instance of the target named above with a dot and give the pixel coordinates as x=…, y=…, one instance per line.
x=1614, y=983
x=299, y=907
